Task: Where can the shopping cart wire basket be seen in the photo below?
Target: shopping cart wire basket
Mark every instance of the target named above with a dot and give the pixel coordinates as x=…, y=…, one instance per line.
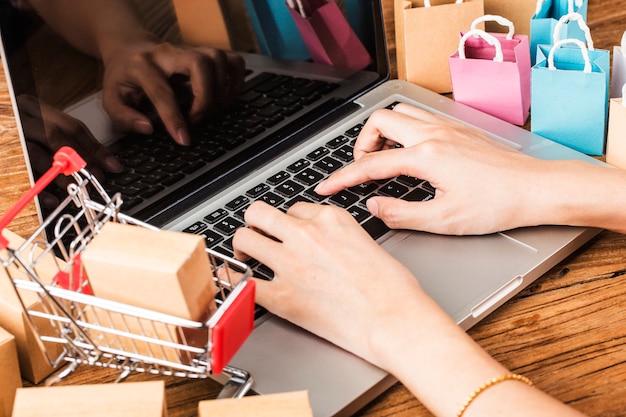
x=76, y=326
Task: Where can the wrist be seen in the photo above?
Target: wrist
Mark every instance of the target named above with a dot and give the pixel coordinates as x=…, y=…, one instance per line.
x=112, y=47
x=578, y=193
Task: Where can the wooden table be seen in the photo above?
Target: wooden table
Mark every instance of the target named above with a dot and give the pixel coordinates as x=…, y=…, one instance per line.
x=567, y=332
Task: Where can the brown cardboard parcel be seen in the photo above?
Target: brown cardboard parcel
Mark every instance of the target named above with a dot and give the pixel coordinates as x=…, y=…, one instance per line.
x=128, y=399
x=10, y=379
x=164, y=271
x=34, y=364
x=287, y=404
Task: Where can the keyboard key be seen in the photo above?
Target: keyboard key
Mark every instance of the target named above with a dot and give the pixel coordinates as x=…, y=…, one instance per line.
x=237, y=203
x=257, y=191
x=354, y=131
x=344, y=199
x=289, y=189
x=418, y=195
x=358, y=213
x=272, y=199
x=298, y=166
x=277, y=178
x=409, y=181
x=317, y=154
x=328, y=165
x=308, y=177
x=375, y=227
x=216, y=216
x=344, y=154
x=393, y=189
x=228, y=226
x=212, y=238
x=314, y=196
x=195, y=228
x=336, y=142
x=364, y=188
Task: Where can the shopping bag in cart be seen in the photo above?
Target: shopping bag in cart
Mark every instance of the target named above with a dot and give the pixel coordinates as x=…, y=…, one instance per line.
x=328, y=35
x=547, y=14
x=427, y=35
x=491, y=71
x=618, y=76
x=569, y=95
x=96, y=331
x=616, y=136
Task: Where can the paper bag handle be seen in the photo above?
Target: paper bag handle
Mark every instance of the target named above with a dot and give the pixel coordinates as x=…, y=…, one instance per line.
x=491, y=40
x=583, y=50
x=581, y=22
x=570, y=5
x=494, y=18
x=427, y=2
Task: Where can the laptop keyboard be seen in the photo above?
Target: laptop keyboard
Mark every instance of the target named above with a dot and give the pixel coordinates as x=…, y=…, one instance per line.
x=295, y=182
x=152, y=163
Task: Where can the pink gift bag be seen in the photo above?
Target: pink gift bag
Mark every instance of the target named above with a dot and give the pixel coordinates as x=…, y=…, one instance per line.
x=328, y=35
x=491, y=72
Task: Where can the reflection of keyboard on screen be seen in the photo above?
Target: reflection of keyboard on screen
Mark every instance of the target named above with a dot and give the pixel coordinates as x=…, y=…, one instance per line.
x=155, y=162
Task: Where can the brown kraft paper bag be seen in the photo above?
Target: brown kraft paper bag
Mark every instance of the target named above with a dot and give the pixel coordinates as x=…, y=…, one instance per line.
x=427, y=33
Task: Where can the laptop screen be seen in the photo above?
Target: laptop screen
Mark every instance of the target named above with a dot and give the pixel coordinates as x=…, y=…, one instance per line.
x=284, y=44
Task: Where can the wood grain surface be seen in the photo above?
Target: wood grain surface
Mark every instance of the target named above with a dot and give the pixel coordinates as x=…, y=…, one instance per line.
x=567, y=332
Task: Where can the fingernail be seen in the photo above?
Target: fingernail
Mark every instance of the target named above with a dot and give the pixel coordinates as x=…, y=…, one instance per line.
x=142, y=126
x=319, y=186
x=372, y=206
x=182, y=137
x=112, y=164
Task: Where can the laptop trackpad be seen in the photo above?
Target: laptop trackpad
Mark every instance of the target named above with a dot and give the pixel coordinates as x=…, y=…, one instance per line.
x=282, y=357
x=460, y=273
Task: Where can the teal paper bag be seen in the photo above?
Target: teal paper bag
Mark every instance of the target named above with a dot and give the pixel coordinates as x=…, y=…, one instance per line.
x=276, y=33
x=547, y=15
x=569, y=95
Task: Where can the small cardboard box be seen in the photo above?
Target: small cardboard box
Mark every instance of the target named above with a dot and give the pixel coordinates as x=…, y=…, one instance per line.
x=34, y=365
x=10, y=379
x=127, y=399
x=288, y=404
x=164, y=271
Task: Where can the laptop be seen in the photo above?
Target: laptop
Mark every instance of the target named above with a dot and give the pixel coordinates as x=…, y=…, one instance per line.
x=280, y=162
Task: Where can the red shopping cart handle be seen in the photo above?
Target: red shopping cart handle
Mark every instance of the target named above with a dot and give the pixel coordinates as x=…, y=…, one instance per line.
x=234, y=327
x=66, y=161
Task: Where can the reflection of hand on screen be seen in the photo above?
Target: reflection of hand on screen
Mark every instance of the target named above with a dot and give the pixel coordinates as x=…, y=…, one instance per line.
x=46, y=129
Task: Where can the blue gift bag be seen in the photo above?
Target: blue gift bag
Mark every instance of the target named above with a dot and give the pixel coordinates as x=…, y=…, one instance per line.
x=569, y=95
x=275, y=30
x=547, y=14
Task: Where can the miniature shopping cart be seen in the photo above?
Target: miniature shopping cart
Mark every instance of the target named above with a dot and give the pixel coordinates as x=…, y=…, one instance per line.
x=76, y=326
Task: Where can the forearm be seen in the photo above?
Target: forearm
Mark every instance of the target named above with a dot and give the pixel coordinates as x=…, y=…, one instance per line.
x=581, y=194
x=95, y=27
x=442, y=366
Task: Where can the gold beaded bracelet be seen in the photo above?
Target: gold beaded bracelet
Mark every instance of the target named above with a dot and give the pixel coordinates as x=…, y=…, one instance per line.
x=491, y=383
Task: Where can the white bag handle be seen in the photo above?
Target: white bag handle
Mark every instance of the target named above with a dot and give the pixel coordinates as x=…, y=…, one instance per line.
x=583, y=50
x=491, y=40
x=494, y=18
x=581, y=22
x=570, y=5
x=427, y=2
